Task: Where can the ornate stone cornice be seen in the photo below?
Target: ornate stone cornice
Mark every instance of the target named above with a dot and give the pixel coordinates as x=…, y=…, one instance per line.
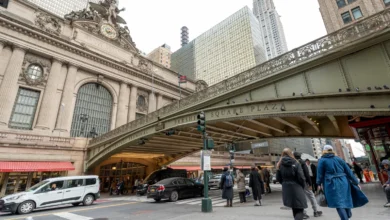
x=36, y=33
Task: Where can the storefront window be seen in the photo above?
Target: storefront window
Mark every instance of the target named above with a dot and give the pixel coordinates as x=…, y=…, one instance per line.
x=18, y=182
x=123, y=170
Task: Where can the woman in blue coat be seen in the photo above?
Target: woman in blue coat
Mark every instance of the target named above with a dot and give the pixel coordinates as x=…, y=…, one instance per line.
x=336, y=178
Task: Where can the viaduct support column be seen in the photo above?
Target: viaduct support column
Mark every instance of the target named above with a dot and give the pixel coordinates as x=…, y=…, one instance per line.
x=8, y=87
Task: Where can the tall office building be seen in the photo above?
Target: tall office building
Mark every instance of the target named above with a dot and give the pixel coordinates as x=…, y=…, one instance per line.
x=61, y=8
x=337, y=14
x=229, y=48
x=161, y=55
x=271, y=27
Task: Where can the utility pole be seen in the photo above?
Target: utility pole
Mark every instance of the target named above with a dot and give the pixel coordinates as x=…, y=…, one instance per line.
x=208, y=144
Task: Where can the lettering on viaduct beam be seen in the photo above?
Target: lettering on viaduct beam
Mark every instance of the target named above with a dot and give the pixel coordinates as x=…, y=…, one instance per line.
x=245, y=110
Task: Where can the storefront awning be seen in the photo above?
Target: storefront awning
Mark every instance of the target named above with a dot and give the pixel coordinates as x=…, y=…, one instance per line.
x=12, y=166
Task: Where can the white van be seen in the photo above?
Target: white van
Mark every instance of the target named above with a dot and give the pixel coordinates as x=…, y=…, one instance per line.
x=52, y=192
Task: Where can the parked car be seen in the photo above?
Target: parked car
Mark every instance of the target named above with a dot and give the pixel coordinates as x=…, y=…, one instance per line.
x=159, y=175
x=52, y=192
x=214, y=181
x=174, y=189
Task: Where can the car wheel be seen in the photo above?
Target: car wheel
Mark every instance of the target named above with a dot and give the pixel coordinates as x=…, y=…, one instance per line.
x=26, y=207
x=88, y=200
x=75, y=204
x=202, y=193
x=174, y=196
x=157, y=200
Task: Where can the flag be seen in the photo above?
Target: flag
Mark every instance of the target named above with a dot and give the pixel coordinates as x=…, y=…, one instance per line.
x=182, y=79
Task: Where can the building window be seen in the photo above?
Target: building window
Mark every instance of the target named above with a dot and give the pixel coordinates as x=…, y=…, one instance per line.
x=387, y=2
x=34, y=71
x=4, y=3
x=24, y=109
x=141, y=101
x=351, y=1
x=346, y=17
x=357, y=13
x=93, y=110
x=341, y=3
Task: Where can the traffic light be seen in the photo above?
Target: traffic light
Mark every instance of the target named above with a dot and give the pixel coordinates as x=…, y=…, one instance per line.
x=210, y=143
x=202, y=122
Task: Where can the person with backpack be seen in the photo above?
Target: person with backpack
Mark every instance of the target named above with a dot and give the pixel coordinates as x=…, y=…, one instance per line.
x=226, y=184
x=256, y=183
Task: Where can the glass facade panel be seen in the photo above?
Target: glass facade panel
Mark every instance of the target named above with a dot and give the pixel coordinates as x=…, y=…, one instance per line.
x=341, y=3
x=357, y=13
x=4, y=3
x=92, y=112
x=24, y=109
x=387, y=2
x=346, y=17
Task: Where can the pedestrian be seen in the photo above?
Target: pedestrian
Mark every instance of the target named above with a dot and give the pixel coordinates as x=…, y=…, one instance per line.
x=335, y=178
x=386, y=186
x=260, y=170
x=113, y=187
x=313, y=174
x=290, y=175
x=308, y=188
x=358, y=171
x=135, y=186
x=255, y=182
x=240, y=180
x=366, y=174
x=226, y=184
x=267, y=180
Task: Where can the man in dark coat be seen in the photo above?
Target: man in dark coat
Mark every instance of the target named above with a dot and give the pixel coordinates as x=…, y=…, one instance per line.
x=256, y=183
x=227, y=191
x=308, y=188
x=358, y=170
x=267, y=180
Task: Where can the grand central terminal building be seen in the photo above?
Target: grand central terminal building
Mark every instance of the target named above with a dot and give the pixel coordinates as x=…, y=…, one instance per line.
x=66, y=80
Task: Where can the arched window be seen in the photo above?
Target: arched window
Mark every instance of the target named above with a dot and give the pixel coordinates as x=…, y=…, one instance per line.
x=93, y=110
x=141, y=101
x=34, y=71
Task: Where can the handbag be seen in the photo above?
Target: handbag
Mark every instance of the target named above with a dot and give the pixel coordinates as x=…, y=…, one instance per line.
x=321, y=199
x=359, y=199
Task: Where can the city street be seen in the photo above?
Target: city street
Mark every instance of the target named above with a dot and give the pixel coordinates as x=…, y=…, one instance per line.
x=133, y=207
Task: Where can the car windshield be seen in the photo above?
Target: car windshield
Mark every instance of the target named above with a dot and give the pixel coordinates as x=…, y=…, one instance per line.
x=36, y=186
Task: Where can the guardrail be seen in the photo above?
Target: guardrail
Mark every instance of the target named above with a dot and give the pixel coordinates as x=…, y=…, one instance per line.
x=305, y=53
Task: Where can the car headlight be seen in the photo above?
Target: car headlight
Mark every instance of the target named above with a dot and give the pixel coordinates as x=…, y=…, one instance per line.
x=15, y=197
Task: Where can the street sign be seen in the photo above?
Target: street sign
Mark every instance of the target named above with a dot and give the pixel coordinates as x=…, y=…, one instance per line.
x=205, y=160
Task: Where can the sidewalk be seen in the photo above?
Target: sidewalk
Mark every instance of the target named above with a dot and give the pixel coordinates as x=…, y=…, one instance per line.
x=271, y=210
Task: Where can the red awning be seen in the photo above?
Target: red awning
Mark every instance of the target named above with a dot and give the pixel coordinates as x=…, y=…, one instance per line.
x=12, y=166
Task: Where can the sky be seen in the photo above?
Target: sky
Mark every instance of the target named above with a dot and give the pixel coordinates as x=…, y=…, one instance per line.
x=357, y=148
x=155, y=22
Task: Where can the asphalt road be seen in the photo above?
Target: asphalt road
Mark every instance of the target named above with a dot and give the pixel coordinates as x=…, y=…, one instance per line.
x=124, y=207
x=111, y=210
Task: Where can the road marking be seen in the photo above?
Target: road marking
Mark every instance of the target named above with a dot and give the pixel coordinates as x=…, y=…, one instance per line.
x=76, y=210
x=71, y=216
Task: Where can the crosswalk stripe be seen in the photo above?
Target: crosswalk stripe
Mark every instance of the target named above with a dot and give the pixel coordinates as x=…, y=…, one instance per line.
x=71, y=216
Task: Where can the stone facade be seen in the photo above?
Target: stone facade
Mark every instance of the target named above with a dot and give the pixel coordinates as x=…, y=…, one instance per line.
x=332, y=10
x=70, y=53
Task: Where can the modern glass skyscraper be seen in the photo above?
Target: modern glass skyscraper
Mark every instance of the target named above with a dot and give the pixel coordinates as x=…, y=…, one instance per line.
x=229, y=48
x=271, y=27
x=60, y=7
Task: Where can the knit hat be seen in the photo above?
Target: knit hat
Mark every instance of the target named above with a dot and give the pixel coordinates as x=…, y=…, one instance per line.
x=386, y=162
x=328, y=148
